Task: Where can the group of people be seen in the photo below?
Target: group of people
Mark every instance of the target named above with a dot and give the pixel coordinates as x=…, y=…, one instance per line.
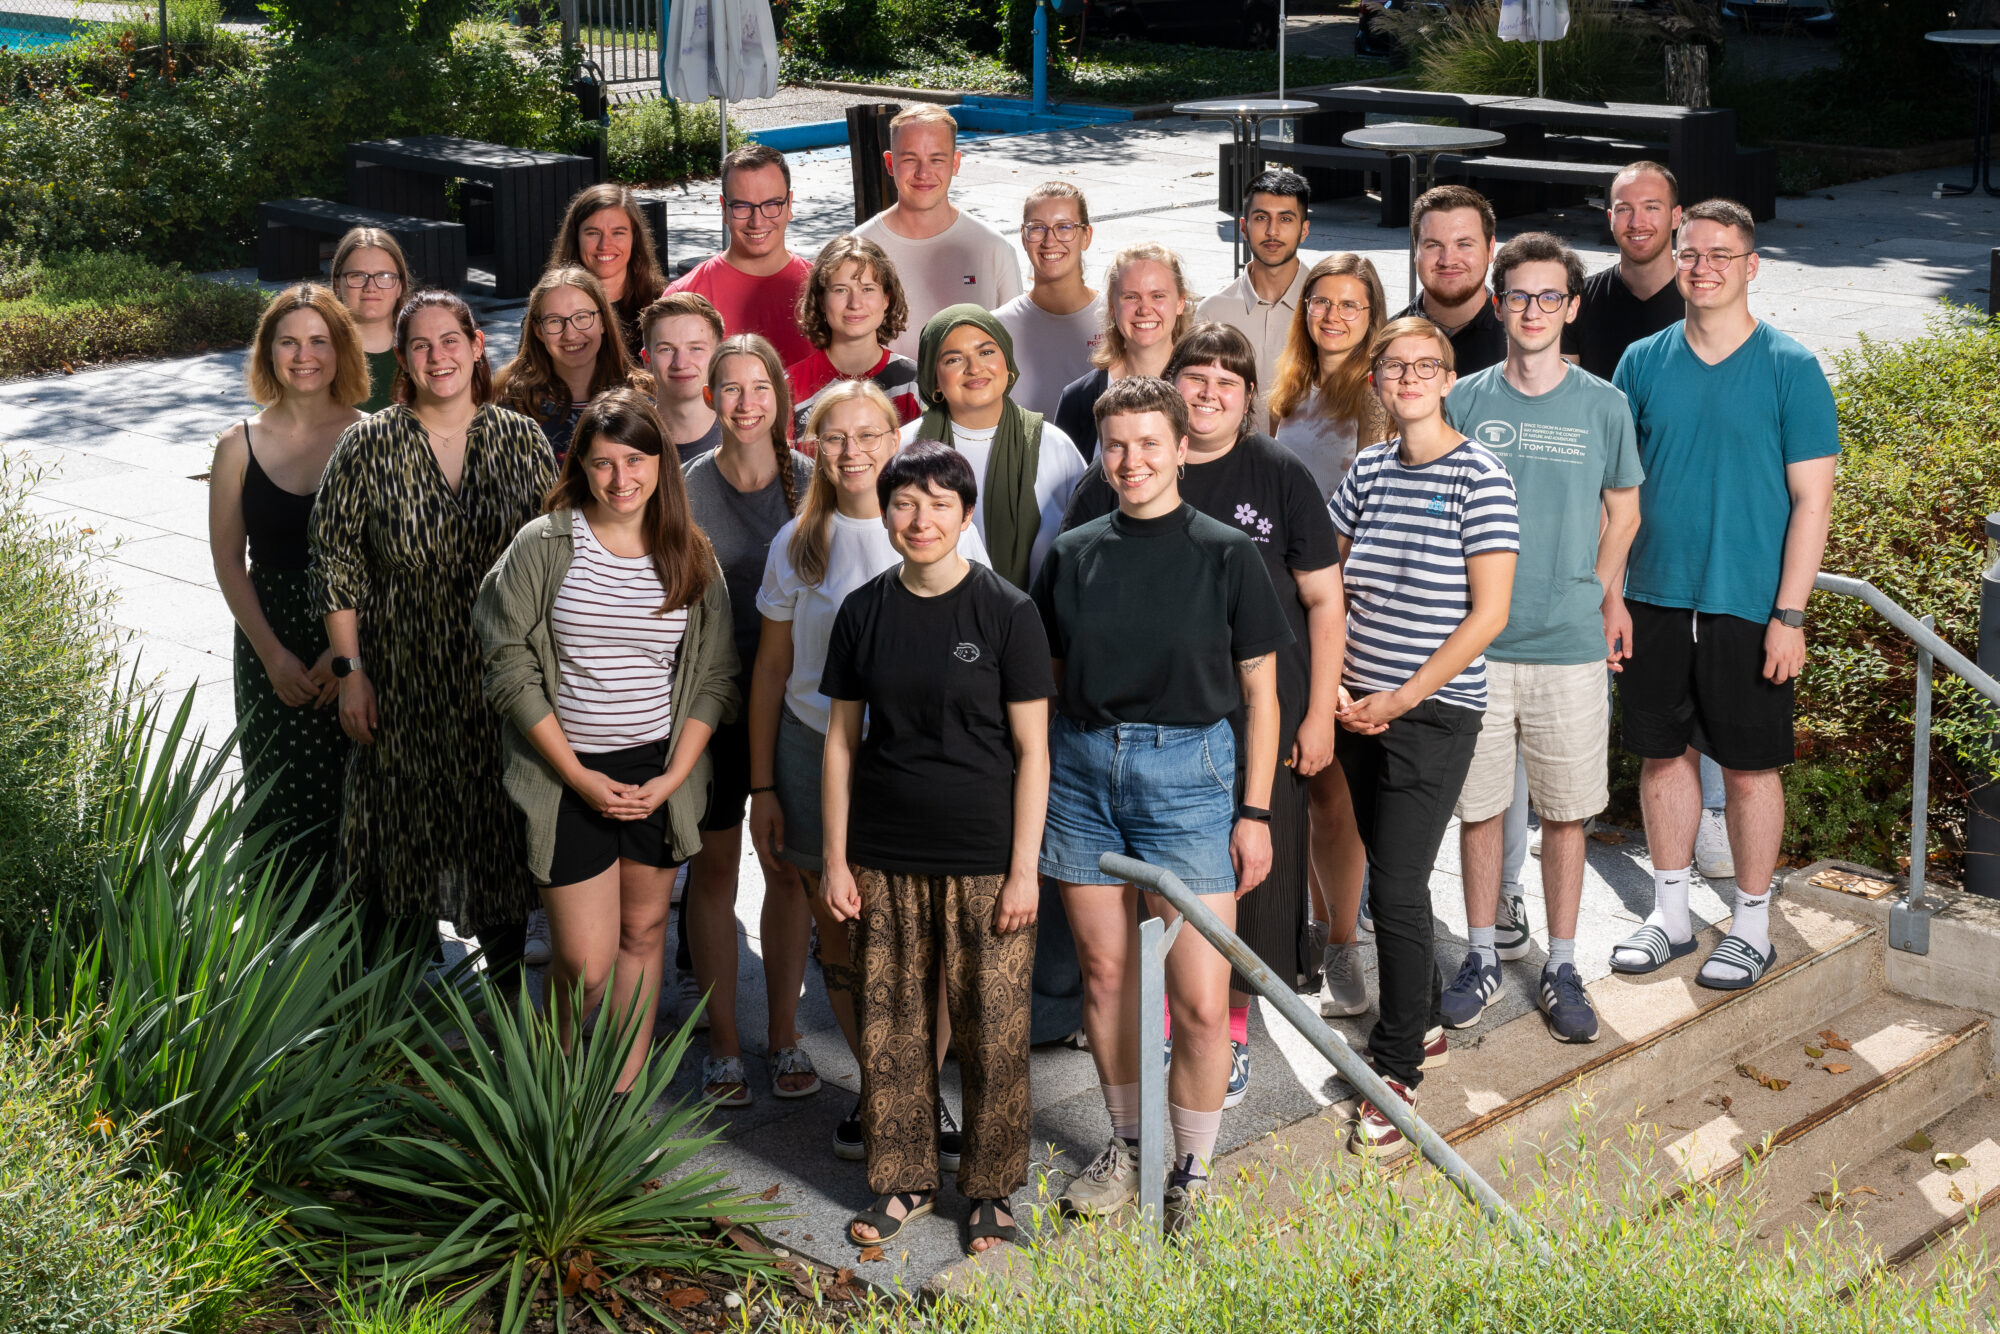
x=949, y=586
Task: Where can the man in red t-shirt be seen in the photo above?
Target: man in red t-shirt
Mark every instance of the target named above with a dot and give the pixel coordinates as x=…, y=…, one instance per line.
x=755, y=282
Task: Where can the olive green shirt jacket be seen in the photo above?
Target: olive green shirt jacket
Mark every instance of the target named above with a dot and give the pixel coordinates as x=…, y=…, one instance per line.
x=512, y=620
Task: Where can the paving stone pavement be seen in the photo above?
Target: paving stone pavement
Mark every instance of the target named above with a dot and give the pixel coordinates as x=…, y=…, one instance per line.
x=127, y=447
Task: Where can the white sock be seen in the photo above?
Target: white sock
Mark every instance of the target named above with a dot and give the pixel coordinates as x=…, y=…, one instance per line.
x=1480, y=938
x=1560, y=952
x=1670, y=904
x=1194, y=1136
x=1752, y=923
x=1122, y=1101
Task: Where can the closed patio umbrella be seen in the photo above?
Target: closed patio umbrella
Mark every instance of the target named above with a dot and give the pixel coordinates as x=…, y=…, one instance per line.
x=1536, y=21
x=726, y=49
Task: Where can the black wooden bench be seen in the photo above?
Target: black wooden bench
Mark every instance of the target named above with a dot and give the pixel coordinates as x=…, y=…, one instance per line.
x=289, y=233
x=1234, y=176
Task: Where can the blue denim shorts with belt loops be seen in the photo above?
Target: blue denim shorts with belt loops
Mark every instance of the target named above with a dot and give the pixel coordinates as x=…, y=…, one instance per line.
x=1165, y=795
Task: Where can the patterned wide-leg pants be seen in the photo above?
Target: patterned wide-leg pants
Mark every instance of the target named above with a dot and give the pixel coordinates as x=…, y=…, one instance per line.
x=914, y=929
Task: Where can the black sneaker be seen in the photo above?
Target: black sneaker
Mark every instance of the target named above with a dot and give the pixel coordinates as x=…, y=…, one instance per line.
x=847, y=1144
x=950, y=1142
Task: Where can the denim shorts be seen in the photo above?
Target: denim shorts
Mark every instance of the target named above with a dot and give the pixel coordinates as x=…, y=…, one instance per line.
x=1164, y=795
x=795, y=773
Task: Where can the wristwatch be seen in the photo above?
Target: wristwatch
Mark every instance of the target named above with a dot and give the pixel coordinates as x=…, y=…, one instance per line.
x=1787, y=616
x=343, y=667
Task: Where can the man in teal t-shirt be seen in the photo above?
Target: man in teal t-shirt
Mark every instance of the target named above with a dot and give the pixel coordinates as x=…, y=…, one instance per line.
x=1566, y=437
x=1739, y=438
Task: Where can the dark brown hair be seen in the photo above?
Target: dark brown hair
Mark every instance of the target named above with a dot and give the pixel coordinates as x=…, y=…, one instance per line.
x=850, y=249
x=431, y=298
x=350, y=367
x=681, y=554
x=642, y=270
x=1143, y=393
x=1214, y=344
x=756, y=345
x=1536, y=248
x=679, y=303
x=1444, y=199
x=752, y=157
x=530, y=384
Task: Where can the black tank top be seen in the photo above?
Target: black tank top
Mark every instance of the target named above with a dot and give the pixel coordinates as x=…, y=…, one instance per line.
x=276, y=520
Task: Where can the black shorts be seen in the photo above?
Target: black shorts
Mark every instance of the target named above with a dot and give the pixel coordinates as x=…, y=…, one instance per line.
x=589, y=844
x=729, y=794
x=1697, y=679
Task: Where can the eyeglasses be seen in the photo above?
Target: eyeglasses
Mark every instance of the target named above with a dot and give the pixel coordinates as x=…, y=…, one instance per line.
x=866, y=441
x=741, y=209
x=1717, y=259
x=1550, y=301
x=356, y=279
x=1062, y=231
x=552, y=326
x=1425, y=368
x=1319, y=306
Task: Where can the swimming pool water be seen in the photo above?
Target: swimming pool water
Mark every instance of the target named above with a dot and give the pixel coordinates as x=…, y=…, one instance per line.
x=19, y=39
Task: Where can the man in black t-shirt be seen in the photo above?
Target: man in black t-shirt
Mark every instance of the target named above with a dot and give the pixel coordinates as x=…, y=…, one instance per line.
x=1452, y=230
x=1637, y=296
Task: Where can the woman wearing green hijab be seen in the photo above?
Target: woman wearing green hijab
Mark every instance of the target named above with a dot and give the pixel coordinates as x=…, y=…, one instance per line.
x=1026, y=467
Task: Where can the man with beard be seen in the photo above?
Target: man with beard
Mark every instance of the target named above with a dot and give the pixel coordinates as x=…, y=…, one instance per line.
x=1451, y=228
x=1260, y=303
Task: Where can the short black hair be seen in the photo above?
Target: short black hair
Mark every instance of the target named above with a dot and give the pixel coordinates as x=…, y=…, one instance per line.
x=1536, y=248
x=1279, y=181
x=924, y=464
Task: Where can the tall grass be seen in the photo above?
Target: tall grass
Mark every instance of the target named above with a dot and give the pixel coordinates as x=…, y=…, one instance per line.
x=1603, y=57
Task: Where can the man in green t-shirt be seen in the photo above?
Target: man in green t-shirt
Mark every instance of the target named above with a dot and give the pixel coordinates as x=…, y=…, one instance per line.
x=1567, y=439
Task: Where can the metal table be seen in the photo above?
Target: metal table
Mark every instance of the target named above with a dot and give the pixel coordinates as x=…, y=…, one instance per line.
x=1984, y=44
x=1423, y=145
x=1246, y=116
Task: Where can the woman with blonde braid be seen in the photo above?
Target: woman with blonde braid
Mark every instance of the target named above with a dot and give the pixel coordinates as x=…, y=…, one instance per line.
x=742, y=494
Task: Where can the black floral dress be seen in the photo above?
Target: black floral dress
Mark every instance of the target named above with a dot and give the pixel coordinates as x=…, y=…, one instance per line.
x=426, y=829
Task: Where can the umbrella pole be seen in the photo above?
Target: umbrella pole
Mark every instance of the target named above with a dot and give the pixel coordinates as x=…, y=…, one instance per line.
x=724, y=104
x=1538, y=70
x=1281, y=50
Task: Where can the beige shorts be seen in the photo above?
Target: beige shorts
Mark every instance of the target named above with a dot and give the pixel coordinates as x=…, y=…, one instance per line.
x=1558, y=718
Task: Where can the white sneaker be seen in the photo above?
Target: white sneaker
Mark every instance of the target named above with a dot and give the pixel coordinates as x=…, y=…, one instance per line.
x=687, y=996
x=538, y=950
x=1109, y=1184
x=1712, y=857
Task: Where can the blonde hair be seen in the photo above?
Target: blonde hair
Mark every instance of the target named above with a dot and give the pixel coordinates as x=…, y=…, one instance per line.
x=1411, y=326
x=350, y=367
x=923, y=113
x=1056, y=190
x=756, y=345
x=1112, y=350
x=813, y=536
x=1344, y=390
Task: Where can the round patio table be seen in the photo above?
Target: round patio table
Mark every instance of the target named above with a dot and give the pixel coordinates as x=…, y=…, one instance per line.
x=1984, y=44
x=1246, y=116
x=1423, y=145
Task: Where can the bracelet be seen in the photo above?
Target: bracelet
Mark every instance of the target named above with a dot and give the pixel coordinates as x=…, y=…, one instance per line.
x=1253, y=813
x=769, y=788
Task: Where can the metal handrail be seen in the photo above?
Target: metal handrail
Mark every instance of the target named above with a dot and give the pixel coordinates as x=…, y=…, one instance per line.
x=1328, y=1043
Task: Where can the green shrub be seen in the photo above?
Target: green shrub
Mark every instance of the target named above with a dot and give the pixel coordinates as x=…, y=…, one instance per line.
x=1458, y=49
x=1833, y=106
x=843, y=32
x=660, y=140
x=58, y=663
x=381, y=22
x=77, y=307
x=1882, y=43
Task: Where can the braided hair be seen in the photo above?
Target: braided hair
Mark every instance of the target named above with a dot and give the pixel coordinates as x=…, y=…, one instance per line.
x=755, y=345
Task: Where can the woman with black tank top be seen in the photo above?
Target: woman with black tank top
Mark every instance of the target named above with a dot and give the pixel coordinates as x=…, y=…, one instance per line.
x=308, y=370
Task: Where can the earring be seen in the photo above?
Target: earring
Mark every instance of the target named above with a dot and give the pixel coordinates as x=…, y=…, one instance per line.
x=1181, y=472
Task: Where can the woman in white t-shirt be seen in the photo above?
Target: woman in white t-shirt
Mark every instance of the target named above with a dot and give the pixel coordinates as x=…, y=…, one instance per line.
x=1322, y=406
x=836, y=544
x=1026, y=466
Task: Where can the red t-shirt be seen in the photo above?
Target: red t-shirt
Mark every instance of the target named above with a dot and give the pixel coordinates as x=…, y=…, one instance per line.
x=895, y=375
x=752, y=305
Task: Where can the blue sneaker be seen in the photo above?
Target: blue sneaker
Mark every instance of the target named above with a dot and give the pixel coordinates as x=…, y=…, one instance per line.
x=1565, y=1006
x=1469, y=993
x=1239, y=1074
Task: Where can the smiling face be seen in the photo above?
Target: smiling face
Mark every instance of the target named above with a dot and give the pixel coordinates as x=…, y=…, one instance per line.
x=1412, y=398
x=679, y=353
x=925, y=524
x=1216, y=401
x=1643, y=216
x=1333, y=328
x=370, y=304
x=1142, y=458
x=923, y=159
x=855, y=440
x=1452, y=254
x=438, y=354
x=303, y=353
x=745, y=398
x=1709, y=286
x=1052, y=258
x=622, y=477
x=1274, y=225
x=971, y=371
x=756, y=236
x=855, y=301
x=605, y=241
x=571, y=349
x=1146, y=303
x=1535, y=329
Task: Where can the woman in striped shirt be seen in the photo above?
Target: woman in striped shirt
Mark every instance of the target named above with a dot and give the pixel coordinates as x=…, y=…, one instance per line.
x=608, y=648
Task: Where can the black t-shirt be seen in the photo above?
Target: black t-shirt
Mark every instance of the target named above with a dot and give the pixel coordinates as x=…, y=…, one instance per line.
x=1262, y=489
x=1076, y=410
x=1610, y=319
x=1481, y=343
x=934, y=779
x=1151, y=616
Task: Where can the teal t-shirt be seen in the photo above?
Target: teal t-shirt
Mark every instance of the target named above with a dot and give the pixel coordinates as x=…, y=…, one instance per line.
x=1715, y=442
x=1563, y=449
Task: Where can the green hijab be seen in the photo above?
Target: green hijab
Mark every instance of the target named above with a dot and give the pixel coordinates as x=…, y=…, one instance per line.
x=1008, y=488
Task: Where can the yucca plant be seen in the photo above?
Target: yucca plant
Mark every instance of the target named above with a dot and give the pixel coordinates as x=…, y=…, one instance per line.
x=522, y=1173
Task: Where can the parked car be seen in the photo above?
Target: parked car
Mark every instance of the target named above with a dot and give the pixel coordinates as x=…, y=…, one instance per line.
x=1250, y=24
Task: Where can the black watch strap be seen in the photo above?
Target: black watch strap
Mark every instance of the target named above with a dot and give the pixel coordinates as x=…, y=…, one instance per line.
x=343, y=667
x=1253, y=813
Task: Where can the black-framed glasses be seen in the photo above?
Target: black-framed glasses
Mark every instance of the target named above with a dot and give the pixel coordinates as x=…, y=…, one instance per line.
x=552, y=326
x=1717, y=259
x=741, y=209
x=1425, y=368
x=1318, y=307
x=1064, y=231
x=356, y=279
x=1517, y=301
x=868, y=441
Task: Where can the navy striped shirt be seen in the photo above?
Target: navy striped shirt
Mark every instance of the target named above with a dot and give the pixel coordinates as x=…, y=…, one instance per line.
x=1412, y=529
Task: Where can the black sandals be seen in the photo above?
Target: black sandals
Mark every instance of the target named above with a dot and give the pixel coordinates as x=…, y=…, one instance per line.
x=986, y=1223
x=917, y=1202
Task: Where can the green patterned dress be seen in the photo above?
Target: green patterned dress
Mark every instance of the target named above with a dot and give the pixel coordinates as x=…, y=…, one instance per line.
x=426, y=829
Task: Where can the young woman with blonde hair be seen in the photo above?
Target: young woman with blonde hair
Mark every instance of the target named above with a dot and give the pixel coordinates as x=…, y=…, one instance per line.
x=1148, y=307
x=570, y=353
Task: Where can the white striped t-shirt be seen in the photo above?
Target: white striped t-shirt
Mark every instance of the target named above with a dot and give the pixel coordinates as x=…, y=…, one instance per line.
x=614, y=649
x=1411, y=529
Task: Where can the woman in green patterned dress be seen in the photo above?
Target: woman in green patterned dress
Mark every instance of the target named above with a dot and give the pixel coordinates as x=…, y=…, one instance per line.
x=307, y=370
x=417, y=503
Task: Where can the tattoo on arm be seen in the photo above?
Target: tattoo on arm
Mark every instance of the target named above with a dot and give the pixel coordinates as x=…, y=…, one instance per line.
x=1249, y=666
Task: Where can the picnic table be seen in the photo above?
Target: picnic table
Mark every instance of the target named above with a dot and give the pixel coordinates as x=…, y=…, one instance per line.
x=529, y=191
